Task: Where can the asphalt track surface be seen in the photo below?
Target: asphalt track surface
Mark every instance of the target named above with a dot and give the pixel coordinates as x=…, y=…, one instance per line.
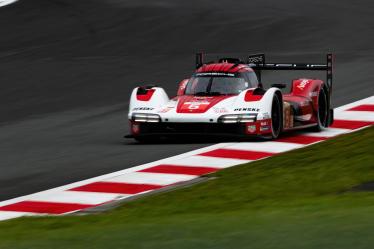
x=67, y=69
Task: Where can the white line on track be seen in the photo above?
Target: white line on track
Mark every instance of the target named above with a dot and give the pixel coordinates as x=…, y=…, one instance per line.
x=355, y=115
x=353, y=104
x=77, y=197
x=151, y=178
x=330, y=132
x=207, y=161
x=6, y=215
x=272, y=147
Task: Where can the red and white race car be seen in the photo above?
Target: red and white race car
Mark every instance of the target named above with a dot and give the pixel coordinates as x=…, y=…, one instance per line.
x=227, y=98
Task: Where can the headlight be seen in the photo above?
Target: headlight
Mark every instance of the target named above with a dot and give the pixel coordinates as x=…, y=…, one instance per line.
x=146, y=117
x=238, y=118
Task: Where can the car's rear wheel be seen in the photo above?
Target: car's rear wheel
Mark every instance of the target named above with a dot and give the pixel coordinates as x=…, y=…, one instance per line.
x=322, y=111
x=276, y=117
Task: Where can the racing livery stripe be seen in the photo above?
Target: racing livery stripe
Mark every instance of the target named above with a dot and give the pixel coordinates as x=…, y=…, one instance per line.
x=365, y=108
x=237, y=154
x=350, y=124
x=301, y=139
x=44, y=207
x=177, y=169
x=116, y=187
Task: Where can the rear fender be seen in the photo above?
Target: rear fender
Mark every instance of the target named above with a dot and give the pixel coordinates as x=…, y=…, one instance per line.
x=308, y=88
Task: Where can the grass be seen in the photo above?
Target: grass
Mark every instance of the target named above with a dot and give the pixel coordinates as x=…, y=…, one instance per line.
x=299, y=199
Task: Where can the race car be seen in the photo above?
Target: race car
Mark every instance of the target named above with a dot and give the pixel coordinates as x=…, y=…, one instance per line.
x=227, y=97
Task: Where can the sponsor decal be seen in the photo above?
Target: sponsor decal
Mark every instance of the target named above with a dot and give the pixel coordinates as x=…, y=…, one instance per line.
x=215, y=74
x=135, y=128
x=192, y=104
x=143, y=109
x=246, y=110
x=302, y=84
x=220, y=110
x=165, y=109
x=265, y=125
x=313, y=94
x=251, y=128
x=266, y=115
x=201, y=99
x=255, y=59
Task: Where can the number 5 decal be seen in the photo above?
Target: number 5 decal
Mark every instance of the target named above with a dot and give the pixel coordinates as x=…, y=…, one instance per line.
x=194, y=106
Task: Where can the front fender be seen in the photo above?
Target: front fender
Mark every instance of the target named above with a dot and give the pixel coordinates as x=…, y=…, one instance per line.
x=267, y=101
x=147, y=100
x=257, y=103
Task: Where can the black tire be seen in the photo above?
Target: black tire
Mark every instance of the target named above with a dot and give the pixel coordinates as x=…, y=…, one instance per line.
x=322, y=111
x=276, y=117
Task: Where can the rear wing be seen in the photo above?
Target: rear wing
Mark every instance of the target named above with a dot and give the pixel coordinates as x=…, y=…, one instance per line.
x=258, y=63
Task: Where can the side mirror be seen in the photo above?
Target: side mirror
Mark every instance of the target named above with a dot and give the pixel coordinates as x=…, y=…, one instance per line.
x=279, y=85
x=182, y=87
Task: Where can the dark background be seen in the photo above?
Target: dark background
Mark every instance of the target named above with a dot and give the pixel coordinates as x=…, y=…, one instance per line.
x=67, y=68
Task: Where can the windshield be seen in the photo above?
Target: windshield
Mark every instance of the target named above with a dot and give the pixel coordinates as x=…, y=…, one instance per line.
x=205, y=85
